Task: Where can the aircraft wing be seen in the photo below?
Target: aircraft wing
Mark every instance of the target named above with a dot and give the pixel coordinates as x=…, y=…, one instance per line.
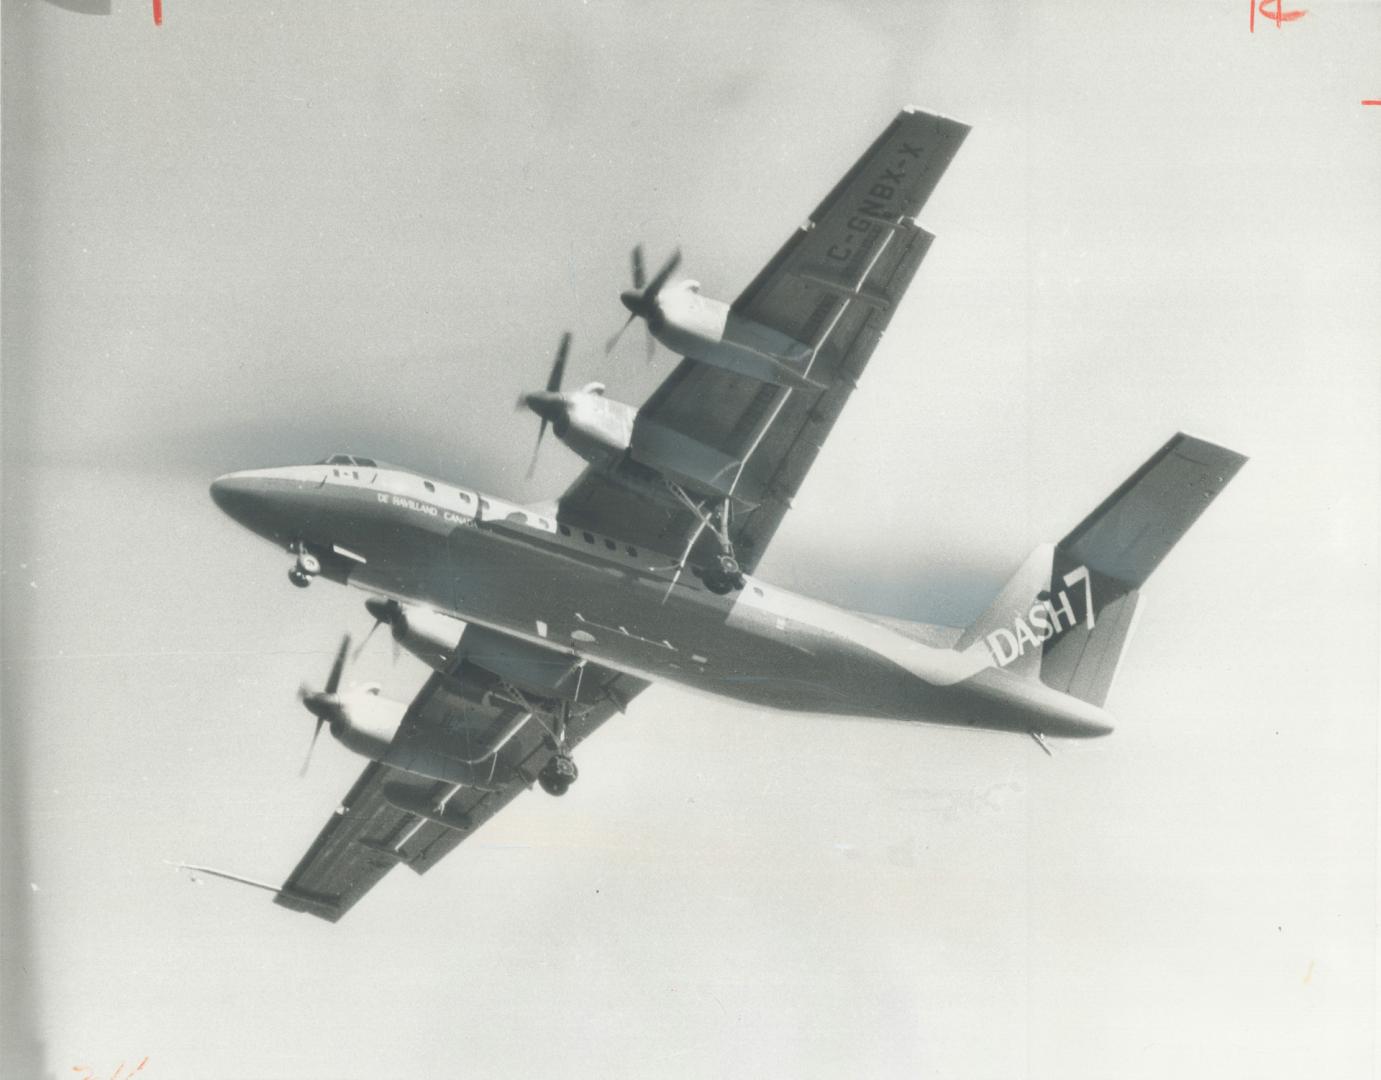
x=832, y=287
x=369, y=834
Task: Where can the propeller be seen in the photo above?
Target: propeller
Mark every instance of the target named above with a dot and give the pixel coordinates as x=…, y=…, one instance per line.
x=641, y=300
x=384, y=611
x=549, y=403
x=319, y=704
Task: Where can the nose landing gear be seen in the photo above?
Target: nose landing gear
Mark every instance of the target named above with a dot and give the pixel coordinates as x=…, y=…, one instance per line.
x=305, y=568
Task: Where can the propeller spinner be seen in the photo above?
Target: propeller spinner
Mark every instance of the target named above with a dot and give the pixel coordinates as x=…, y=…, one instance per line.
x=550, y=404
x=323, y=704
x=641, y=300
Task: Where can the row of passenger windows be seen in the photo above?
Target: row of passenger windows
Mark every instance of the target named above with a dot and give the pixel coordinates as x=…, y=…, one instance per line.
x=431, y=488
x=466, y=499
x=589, y=538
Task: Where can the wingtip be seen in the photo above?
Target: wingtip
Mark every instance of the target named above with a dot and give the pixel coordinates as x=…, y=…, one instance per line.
x=1209, y=449
x=916, y=110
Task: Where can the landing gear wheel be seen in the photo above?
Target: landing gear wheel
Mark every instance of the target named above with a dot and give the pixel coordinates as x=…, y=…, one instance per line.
x=717, y=584
x=558, y=774
x=306, y=566
x=723, y=575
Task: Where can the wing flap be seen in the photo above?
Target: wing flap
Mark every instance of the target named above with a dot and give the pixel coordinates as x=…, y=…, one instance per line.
x=877, y=198
x=371, y=833
x=832, y=287
x=352, y=853
x=789, y=446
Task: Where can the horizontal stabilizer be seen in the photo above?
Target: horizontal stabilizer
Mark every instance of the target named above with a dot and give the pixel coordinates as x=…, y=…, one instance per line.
x=1131, y=531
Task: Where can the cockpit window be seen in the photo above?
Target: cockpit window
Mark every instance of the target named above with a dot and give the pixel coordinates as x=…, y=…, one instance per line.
x=366, y=463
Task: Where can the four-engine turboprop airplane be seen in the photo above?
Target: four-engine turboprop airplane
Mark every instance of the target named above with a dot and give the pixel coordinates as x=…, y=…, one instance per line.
x=541, y=623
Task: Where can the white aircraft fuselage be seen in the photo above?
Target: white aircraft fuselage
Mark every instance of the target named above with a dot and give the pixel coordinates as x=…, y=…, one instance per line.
x=494, y=563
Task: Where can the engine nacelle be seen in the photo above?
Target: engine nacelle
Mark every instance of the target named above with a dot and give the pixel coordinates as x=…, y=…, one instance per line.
x=595, y=426
x=712, y=332
x=366, y=723
x=429, y=635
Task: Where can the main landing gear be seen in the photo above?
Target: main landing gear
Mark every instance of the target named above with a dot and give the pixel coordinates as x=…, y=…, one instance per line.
x=559, y=773
x=305, y=568
x=723, y=575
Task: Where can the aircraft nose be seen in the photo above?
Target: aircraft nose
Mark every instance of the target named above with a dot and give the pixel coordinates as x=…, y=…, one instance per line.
x=269, y=502
x=255, y=501
x=233, y=493
x=632, y=300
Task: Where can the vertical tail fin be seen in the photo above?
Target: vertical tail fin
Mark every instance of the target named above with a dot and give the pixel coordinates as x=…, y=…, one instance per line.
x=1066, y=616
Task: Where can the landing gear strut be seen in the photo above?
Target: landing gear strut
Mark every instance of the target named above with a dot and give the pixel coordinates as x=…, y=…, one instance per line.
x=560, y=772
x=723, y=575
x=305, y=568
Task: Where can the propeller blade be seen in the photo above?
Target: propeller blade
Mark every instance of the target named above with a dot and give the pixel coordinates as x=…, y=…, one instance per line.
x=558, y=367
x=537, y=449
x=356, y=654
x=655, y=285
x=310, y=747
x=639, y=277
x=333, y=682
x=609, y=345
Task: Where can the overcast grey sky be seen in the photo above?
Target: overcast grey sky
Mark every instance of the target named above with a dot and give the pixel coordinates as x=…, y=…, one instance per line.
x=257, y=235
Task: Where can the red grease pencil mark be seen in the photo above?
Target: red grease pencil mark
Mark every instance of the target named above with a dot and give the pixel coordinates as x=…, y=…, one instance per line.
x=1368, y=101
x=1275, y=11
x=158, y=12
x=88, y=1073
